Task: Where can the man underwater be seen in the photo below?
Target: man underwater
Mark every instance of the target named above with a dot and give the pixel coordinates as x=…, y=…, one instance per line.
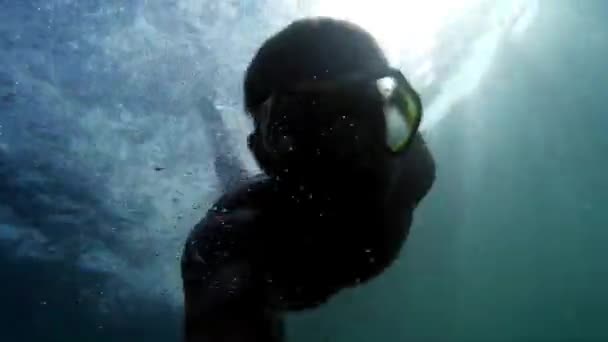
x=344, y=167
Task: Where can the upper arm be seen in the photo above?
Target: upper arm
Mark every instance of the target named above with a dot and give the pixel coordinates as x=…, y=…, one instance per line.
x=228, y=308
x=224, y=294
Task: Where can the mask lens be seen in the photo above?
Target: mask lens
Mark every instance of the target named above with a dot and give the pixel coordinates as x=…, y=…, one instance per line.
x=402, y=111
x=402, y=107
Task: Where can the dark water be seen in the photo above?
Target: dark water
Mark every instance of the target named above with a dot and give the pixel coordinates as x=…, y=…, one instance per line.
x=510, y=245
x=112, y=118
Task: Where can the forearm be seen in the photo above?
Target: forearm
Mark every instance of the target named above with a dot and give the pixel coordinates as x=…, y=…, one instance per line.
x=260, y=327
x=226, y=305
x=240, y=320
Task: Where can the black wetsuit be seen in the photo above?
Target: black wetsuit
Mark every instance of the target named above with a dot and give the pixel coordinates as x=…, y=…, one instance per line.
x=266, y=248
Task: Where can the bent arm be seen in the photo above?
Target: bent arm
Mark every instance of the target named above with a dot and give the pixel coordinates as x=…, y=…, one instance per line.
x=224, y=295
x=227, y=308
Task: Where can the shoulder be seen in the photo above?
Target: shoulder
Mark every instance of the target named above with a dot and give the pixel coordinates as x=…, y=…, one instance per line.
x=228, y=231
x=251, y=192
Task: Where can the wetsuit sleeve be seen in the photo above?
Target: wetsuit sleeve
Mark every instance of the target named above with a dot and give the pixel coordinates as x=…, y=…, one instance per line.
x=224, y=296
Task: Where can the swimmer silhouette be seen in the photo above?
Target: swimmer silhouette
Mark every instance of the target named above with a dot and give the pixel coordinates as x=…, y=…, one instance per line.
x=344, y=167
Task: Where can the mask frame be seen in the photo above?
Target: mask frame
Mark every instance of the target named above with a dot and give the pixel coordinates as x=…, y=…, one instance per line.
x=402, y=106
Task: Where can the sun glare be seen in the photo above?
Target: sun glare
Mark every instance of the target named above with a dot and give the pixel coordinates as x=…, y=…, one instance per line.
x=404, y=28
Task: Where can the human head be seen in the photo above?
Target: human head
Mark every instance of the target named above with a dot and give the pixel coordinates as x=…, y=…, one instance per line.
x=325, y=137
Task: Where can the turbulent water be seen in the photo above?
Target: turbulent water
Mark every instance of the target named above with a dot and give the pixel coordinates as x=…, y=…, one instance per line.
x=120, y=121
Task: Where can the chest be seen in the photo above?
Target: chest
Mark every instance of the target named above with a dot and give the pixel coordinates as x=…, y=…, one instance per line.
x=310, y=258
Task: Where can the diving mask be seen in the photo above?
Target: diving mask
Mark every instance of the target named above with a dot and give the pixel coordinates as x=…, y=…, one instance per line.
x=402, y=107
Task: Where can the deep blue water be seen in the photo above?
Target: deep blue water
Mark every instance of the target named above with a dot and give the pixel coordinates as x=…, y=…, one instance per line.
x=95, y=96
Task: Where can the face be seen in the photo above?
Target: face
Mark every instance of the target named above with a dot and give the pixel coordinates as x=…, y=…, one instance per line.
x=351, y=124
x=318, y=133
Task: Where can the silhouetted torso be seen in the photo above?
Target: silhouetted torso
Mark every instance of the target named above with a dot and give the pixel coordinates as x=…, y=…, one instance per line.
x=302, y=246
